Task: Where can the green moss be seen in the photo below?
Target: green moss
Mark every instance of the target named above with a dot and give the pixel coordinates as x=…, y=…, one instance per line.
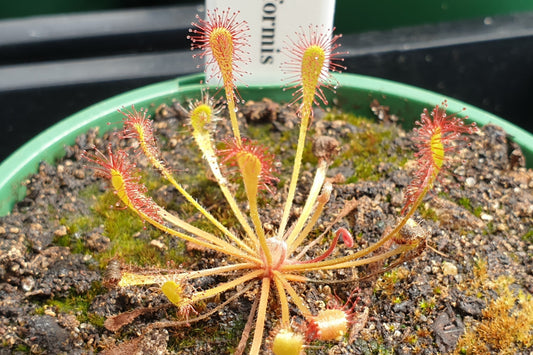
x=478, y=211
x=373, y=347
x=412, y=339
x=426, y=306
x=263, y=134
x=129, y=236
x=490, y=228
x=367, y=146
x=278, y=144
x=386, y=284
x=77, y=304
x=196, y=336
x=528, y=237
x=76, y=226
x=90, y=192
x=428, y=213
x=96, y=320
x=506, y=324
x=22, y=348
x=465, y=202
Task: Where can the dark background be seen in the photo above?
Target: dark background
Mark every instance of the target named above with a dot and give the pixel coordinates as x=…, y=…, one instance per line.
x=56, y=60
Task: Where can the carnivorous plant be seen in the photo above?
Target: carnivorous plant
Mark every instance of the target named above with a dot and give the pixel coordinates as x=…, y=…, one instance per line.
x=271, y=263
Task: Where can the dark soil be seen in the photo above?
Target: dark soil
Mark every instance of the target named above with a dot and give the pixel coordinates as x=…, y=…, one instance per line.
x=480, y=251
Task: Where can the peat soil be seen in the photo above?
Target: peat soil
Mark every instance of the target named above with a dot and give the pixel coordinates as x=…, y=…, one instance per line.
x=479, y=251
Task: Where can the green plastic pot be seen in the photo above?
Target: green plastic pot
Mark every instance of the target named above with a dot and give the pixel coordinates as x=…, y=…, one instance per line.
x=354, y=93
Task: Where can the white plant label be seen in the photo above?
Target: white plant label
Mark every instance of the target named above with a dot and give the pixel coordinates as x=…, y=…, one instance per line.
x=271, y=23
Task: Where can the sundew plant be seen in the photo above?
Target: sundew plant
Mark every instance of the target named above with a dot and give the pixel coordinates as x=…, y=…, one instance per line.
x=270, y=263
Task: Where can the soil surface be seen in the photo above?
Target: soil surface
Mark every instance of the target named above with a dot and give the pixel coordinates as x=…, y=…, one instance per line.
x=465, y=293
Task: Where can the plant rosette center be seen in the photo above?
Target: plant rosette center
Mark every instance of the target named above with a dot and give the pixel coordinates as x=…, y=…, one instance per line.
x=278, y=252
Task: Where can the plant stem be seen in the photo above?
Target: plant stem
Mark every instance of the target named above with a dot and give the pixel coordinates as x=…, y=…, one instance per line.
x=230, y=100
x=204, y=212
x=133, y=279
x=190, y=275
x=212, y=160
x=320, y=176
x=234, y=251
x=322, y=200
x=250, y=170
x=261, y=316
x=368, y=250
x=229, y=249
x=284, y=303
x=329, y=265
x=305, y=114
x=295, y=297
x=224, y=286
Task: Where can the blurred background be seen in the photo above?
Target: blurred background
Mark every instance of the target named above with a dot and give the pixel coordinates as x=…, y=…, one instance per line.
x=59, y=56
